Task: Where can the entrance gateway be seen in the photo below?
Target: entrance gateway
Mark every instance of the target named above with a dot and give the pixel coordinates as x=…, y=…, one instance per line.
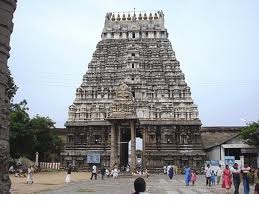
x=134, y=87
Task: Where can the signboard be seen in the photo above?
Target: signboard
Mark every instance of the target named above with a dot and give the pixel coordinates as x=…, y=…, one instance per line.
x=248, y=151
x=197, y=158
x=93, y=158
x=207, y=162
x=214, y=163
x=229, y=160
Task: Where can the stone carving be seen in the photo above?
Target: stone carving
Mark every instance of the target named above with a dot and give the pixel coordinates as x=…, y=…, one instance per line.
x=123, y=105
x=7, y=8
x=123, y=92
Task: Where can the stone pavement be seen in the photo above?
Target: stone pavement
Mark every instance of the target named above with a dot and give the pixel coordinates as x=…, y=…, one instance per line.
x=156, y=184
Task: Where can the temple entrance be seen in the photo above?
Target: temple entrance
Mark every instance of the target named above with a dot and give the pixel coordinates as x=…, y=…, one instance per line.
x=125, y=147
x=139, y=150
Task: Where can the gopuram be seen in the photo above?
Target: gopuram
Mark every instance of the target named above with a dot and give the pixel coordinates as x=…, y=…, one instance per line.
x=134, y=87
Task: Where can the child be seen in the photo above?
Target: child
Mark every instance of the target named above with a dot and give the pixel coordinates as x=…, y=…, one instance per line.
x=193, y=177
x=146, y=172
x=213, y=177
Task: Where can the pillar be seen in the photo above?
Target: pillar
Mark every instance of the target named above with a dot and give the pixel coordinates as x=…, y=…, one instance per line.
x=112, y=156
x=7, y=8
x=118, y=146
x=143, y=147
x=257, y=160
x=242, y=161
x=133, y=146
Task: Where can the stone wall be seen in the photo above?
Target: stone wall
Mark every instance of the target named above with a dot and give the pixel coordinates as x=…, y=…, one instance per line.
x=7, y=8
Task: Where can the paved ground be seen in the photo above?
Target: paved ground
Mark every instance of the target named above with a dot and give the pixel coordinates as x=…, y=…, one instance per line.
x=156, y=184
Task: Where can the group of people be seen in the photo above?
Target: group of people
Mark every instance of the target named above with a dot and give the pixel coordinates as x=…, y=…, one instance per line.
x=114, y=173
x=190, y=176
x=235, y=176
x=174, y=169
x=169, y=170
x=23, y=172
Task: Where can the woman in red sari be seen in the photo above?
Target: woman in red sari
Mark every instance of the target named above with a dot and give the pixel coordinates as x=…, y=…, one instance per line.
x=226, y=180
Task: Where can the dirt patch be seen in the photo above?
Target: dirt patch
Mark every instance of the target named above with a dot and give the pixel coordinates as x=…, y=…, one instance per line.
x=44, y=181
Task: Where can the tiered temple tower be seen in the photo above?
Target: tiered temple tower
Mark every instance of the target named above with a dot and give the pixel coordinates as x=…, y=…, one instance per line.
x=134, y=87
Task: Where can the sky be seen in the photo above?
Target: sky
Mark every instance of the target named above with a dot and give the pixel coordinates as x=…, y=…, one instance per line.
x=216, y=43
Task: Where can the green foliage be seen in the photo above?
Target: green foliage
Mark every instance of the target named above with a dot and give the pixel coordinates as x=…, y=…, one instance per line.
x=47, y=143
x=21, y=138
x=28, y=136
x=250, y=133
x=11, y=87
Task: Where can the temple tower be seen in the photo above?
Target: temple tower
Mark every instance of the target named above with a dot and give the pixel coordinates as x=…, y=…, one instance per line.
x=136, y=55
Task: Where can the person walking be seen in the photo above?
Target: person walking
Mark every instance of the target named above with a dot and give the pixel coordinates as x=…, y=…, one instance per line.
x=245, y=172
x=107, y=172
x=171, y=172
x=236, y=177
x=29, y=176
x=213, y=178
x=226, y=179
x=103, y=171
x=208, y=175
x=219, y=174
x=146, y=172
x=94, y=172
x=69, y=170
x=115, y=172
x=193, y=177
x=165, y=170
x=187, y=175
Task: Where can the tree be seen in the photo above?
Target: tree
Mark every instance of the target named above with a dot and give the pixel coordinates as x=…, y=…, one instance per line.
x=11, y=87
x=28, y=136
x=250, y=133
x=47, y=143
x=21, y=138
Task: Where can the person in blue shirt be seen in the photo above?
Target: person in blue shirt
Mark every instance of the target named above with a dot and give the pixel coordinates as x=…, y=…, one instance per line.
x=187, y=175
x=213, y=177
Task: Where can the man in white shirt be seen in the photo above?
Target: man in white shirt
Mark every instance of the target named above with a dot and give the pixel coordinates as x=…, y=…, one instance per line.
x=208, y=175
x=94, y=173
x=219, y=174
x=165, y=170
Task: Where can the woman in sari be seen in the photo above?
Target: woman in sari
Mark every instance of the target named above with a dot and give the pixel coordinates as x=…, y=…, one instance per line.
x=226, y=180
x=187, y=175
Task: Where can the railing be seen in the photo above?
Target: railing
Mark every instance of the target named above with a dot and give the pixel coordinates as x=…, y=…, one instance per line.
x=52, y=166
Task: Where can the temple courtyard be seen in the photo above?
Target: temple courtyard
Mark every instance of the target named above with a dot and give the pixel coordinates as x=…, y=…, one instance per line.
x=53, y=183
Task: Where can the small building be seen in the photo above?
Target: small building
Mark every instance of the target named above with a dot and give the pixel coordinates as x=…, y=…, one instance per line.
x=219, y=142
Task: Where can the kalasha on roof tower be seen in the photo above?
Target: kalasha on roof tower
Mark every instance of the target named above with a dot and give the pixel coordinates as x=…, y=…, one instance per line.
x=133, y=87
